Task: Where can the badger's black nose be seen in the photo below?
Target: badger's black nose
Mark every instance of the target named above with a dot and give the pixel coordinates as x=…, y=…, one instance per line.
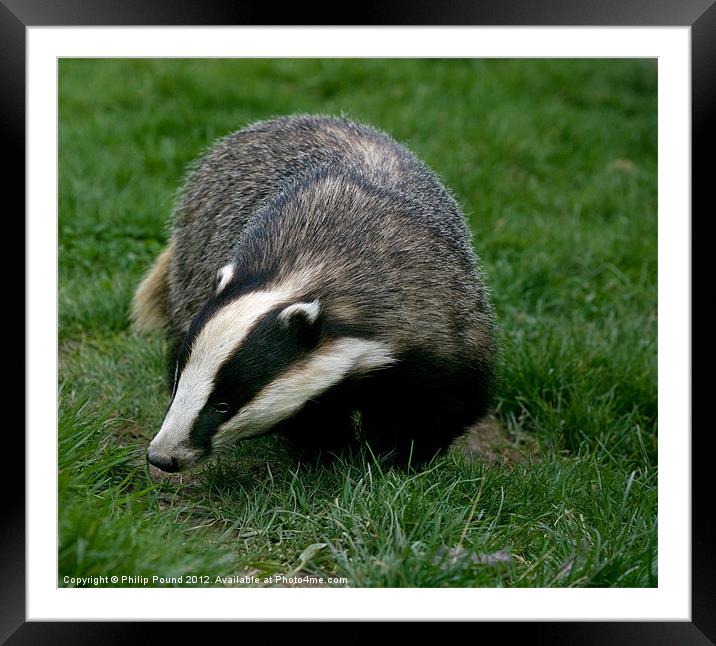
x=163, y=462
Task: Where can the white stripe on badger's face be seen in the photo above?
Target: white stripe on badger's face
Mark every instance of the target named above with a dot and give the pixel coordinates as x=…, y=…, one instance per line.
x=214, y=344
x=287, y=394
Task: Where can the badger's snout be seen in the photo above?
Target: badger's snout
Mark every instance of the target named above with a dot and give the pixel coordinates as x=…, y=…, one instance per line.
x=172, y=461
x=172, y=454
x=163, y=462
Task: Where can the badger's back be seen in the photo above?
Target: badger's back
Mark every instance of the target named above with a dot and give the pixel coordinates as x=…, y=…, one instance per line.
x=290, y=195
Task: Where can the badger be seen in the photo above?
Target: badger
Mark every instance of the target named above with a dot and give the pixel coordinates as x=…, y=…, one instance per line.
x=319, y=282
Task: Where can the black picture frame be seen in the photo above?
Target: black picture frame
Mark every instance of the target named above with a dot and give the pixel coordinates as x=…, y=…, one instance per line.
x=699, y=15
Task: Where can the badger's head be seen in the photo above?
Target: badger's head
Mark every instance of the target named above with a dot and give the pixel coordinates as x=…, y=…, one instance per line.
x=250, y=360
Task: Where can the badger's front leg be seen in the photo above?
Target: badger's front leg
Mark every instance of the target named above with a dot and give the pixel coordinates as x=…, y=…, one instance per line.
x=413, y=416
x=408, y=434
x=323, y=428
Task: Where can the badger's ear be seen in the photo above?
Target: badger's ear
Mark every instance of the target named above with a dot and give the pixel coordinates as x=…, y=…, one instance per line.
x=223, y=277
x=303, y=320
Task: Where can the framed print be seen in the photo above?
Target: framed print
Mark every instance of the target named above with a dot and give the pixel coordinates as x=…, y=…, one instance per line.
x=550, y=148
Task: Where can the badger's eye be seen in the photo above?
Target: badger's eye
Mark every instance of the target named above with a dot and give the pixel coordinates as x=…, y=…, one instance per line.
x=222, y=408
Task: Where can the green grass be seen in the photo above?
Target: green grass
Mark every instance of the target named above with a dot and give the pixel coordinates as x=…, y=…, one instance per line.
x=554, y=162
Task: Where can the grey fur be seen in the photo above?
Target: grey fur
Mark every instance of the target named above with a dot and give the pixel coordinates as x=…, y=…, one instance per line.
x=394, y=244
